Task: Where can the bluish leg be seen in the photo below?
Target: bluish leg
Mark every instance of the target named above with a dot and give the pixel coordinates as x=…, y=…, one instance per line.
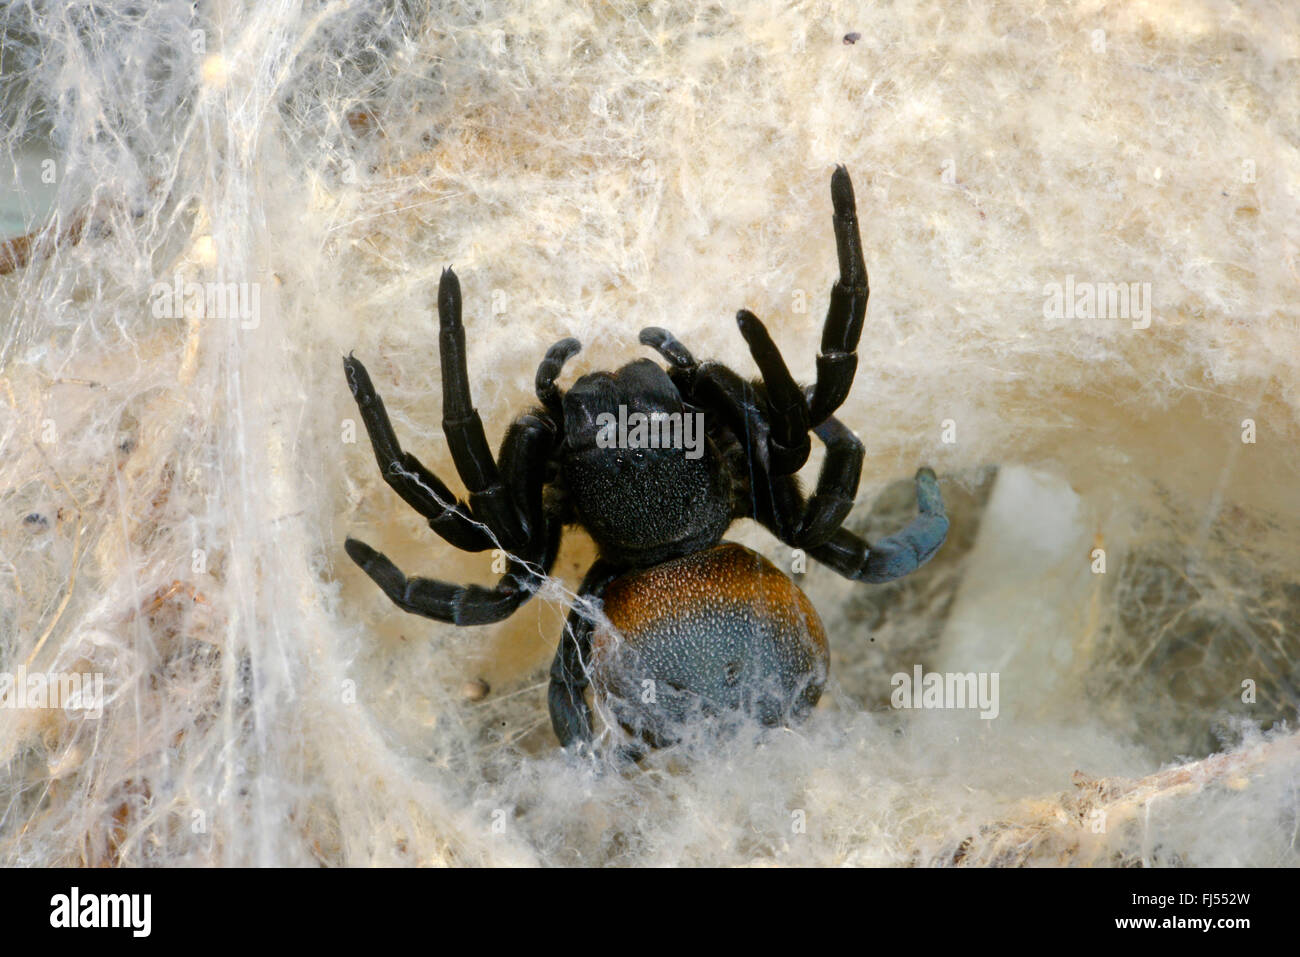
x=897, y=555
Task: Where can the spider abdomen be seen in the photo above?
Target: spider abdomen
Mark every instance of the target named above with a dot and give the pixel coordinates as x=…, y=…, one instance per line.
x=720, y=632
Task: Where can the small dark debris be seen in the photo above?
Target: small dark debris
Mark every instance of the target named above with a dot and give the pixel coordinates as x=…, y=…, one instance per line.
x=36, y=522
x=962, y=850
x=362, y=121
x=851, y=38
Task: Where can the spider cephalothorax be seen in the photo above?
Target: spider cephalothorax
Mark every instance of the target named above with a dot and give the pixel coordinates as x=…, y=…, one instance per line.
x=700, y=626
x=642, y=504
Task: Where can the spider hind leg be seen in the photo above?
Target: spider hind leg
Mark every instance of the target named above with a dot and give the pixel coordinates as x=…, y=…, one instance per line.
x=452, y=603
x=566, y=696
x=900, y=553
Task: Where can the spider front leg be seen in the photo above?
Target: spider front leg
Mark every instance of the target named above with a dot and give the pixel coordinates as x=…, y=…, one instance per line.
x=789, y=412
x=772, y=416
x=525, y=455
x=837, y=362
x=418, y=487
x=488, y=496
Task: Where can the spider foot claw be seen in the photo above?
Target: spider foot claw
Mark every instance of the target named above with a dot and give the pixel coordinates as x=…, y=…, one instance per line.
x=449, y=300
x=842, y=194
x=358, y=378
x=360, y=552
x=928, y=498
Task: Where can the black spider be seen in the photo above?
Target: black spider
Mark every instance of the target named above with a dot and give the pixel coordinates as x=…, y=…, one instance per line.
x=706, y=626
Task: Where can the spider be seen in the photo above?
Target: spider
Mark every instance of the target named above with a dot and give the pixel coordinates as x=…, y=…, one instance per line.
x=701, y=626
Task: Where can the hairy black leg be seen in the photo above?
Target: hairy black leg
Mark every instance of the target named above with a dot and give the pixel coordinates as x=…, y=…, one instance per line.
x=666, y=344
x=570, y=713
x=812, y=523
x=838, y=361
x=895, y=556
x=776, y=501
x=738, y=407
x=526, y=454
x=549, y=370
x=782, y=420
x=489, y=498
x=710, y=385
x=462, y=604
x=417, y=486
x=837, y=485
x=787, y=411
x=749, y=412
